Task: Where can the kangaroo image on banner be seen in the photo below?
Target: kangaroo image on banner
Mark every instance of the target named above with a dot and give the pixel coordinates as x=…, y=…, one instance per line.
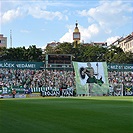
x=91, y=78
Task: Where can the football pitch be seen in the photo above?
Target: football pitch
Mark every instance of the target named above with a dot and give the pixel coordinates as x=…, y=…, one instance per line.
x=67, y=115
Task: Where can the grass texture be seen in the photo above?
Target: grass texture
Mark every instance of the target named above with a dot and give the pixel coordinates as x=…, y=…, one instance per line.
x=67, y=115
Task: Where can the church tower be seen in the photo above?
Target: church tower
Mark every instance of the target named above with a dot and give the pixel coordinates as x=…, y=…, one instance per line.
x=76, y=36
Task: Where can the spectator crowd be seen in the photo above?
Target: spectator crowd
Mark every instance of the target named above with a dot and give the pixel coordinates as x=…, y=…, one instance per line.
x=52, y=78
x=125, y=78
x=36, y=78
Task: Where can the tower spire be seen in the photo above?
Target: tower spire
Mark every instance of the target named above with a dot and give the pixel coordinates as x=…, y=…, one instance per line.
x=76, y=35
x=76, y=23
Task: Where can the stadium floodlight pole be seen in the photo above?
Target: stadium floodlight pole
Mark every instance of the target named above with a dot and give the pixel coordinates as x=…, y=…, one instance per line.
x=46, y=59
x=97, y=70
x=123, y=75
x=97, y=64
x=45, y=76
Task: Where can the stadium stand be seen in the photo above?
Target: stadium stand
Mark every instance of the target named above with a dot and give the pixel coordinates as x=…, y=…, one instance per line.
x=54, y=79
x=36, y=78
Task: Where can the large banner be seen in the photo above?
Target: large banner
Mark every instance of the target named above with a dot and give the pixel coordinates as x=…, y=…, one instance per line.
x=120, y=67
x=21, y=65
x=128, y=90
x=6, y=92
x=91, y=78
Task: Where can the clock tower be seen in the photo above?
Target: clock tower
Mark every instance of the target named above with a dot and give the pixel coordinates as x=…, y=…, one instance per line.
x=76, y=36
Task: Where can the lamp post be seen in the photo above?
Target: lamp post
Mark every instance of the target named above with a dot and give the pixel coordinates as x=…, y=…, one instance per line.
x=111, y=57
x=97, y=65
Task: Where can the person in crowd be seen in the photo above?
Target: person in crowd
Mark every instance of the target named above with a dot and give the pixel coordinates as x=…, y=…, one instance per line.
x=45, y=78
x=13, y=93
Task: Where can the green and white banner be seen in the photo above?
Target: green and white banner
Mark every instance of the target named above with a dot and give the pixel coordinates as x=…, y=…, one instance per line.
x=21, y=65
x=120, y=67
x=91, y=78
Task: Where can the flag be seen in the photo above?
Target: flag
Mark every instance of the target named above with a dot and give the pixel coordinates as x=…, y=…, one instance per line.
x=82, y=78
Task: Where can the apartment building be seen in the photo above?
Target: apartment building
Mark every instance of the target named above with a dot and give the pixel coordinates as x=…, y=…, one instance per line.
x=53, y=44
x=3, y=41
x=126, y=43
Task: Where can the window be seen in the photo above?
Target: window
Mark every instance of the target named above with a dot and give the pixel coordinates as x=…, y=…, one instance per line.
x=2, y=41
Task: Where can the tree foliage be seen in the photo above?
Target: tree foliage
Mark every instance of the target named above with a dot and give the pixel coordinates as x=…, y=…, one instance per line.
x=81, y=53
x=21, y=54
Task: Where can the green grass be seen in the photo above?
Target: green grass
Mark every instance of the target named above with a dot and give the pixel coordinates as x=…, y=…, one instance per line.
x=67, y=115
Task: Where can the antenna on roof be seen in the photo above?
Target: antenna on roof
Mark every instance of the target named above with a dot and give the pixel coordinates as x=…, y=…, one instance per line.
x=11, y=38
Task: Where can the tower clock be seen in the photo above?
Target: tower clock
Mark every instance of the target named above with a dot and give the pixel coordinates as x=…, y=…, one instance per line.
x=76, y=36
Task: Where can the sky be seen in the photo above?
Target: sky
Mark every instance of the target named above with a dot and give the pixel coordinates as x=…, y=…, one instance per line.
x=38, y=22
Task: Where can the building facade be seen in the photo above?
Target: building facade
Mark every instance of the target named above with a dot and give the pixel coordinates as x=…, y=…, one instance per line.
x=53, y=44
x=126, y=43
x=3, y=41
x=100, y=44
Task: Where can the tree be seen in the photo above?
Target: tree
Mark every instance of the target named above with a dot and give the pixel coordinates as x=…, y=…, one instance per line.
x=115, y=55
x=81, y=53
x=34, y=54
x=64, y=48
x=129, y=57
x=3, y=52
x=49, y=50
x=93, y=53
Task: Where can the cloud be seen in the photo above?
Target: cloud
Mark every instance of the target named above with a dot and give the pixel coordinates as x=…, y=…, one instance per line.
x=112, y=39
x=25, y=31
x=38, y=12
x=68, y=36
x=10, y=15
x=103, y=19
x=36, y=9
x=109, y=14
x=88, y=33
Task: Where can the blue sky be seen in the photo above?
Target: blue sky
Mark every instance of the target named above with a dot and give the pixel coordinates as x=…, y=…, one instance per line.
x=38, y=22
